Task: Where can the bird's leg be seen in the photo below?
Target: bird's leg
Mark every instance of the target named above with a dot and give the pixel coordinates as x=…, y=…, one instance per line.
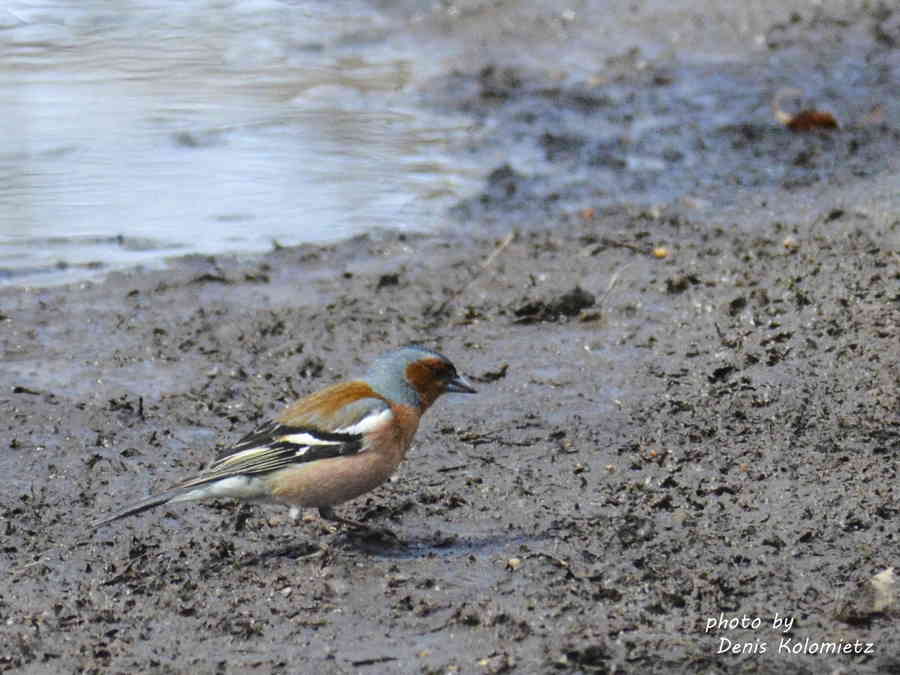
x=321, y=549
x=328, y=513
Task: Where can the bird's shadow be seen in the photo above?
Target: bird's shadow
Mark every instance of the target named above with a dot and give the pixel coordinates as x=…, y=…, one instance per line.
x=450, y=545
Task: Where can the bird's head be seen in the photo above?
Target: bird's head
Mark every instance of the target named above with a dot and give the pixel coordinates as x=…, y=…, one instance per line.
x=416, y=376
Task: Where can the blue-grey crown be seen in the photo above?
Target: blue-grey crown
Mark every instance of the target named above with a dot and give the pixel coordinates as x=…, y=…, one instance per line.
x=387, y=375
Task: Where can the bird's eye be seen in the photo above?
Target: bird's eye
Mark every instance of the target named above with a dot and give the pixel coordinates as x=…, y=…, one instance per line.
x=444, y=371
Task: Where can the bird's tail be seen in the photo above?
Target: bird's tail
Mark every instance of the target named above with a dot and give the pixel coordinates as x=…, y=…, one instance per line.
x=204, y=486
x=175, y=494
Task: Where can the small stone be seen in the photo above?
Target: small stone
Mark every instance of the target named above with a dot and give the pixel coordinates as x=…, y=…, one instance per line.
x=791, y=244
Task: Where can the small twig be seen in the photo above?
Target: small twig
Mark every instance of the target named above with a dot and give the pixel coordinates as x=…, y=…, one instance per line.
x=121, y=575
x=613, y=281
x=457, y=467
x=541, y=554
x=439, y=627
x=39, y=561
x=606, y=241
x=372, y=662
x=558, y=562
x=454, y=296
x=507, y=240
x=42, y=559
x=17, y=17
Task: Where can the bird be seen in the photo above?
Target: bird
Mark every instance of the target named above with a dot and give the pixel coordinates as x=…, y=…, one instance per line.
x=329, y=447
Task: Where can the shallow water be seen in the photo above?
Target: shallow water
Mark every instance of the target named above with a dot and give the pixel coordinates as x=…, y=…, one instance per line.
x=143, y=129
x=146, y=129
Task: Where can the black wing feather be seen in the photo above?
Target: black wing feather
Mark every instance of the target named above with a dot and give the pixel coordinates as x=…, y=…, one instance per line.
x=274, y=453
x=267, y=434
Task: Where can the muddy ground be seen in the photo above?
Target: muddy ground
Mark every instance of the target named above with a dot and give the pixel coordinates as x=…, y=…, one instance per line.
x=660, y=439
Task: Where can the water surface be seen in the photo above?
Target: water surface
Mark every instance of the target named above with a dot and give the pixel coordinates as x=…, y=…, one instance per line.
x=138, y=130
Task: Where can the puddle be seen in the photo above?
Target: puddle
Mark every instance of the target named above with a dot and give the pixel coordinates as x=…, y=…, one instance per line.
x=204, y=128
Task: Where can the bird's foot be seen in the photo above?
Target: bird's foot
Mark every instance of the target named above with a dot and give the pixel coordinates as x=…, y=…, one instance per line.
x=367, y=531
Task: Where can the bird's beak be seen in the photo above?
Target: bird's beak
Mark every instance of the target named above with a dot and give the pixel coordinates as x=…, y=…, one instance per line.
x=460, y=385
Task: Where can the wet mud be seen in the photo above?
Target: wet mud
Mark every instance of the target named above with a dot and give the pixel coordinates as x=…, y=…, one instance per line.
x=682, y=456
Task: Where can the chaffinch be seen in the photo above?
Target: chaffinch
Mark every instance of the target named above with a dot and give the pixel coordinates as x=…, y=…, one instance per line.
x=330, y=447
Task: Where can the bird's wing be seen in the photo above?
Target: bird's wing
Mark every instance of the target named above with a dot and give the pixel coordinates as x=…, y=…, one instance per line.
x=278, y=443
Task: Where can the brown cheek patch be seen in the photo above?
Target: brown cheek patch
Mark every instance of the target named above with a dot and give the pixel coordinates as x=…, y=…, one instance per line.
x=420, y=375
